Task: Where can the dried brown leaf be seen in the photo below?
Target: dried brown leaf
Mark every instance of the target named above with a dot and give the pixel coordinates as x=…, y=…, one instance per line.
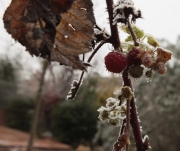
x=121, y=142
x=57, y=30
x=74, y=34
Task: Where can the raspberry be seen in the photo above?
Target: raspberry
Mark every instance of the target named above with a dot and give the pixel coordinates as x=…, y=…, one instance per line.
x=160, y=67
x=147, y=60
x=136, y=71
x=133, y=57
x=115, y=62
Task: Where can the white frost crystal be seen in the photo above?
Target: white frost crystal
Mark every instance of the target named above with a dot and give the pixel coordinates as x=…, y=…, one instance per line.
x=123, y=10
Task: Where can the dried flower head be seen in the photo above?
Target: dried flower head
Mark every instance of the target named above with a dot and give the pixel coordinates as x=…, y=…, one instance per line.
x=127, y=92
x=103, y=113
x=111, y=103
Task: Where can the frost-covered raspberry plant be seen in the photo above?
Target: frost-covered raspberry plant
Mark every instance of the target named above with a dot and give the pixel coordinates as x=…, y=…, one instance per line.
x=139, y=55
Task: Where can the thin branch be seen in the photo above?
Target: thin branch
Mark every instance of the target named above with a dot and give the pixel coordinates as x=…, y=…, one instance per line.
x=115, y=40
x=37, y=108
x=89, y=60
x=132, y=33
x=128, y=122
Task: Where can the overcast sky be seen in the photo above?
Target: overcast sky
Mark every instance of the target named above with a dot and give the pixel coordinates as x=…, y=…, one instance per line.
x=161, y=19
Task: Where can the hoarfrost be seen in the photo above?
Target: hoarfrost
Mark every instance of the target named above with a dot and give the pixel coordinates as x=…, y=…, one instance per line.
x=66, y=36
x=70, y=25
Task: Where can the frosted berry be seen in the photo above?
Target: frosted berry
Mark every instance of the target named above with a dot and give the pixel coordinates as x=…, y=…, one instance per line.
x=147, y=60
x=133, y=57
x=160, y=67
x=136, y=71
x=115, y=62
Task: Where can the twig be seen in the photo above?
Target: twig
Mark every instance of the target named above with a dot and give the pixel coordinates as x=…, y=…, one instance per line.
x=89, y=60
x=37, y=108
x=128, y=122
x=132, y=33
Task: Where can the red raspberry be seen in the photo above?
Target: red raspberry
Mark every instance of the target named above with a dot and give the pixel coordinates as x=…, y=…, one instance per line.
x=133, y=57
x=115, y=62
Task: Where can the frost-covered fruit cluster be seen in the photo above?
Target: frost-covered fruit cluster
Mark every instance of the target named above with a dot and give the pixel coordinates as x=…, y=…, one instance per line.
x=115, y=62
x=112, y=113
x=150, y=59
x=115, y=110
x=137, y=59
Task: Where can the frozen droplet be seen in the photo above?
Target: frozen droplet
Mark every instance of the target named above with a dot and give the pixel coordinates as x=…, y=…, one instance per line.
x=116, y=75
x=83, y=8
x=66, y=36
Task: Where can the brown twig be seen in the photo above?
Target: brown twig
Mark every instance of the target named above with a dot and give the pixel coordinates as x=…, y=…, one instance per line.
x=89, y=60
x=132, y=33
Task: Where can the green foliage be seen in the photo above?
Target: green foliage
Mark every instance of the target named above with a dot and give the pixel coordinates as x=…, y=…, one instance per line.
x=152, y=41
x=8, y=84
x=19, y=114
x=74, y=123
x=7, y=71
x=141, y=36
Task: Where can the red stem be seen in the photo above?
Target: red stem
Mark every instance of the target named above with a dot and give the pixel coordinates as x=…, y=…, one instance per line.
x=127, y=82
x=133, y=116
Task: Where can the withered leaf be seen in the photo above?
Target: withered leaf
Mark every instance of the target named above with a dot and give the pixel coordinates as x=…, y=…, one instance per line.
x=163, y=55
x=32, y=24
x=121, y=142
x=56, y=30
x=74, y=34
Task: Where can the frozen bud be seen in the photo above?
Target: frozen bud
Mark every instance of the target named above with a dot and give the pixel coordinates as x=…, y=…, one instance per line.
x=121, y=114
x=113, y=114
x=111, y=103
x=147, y=60
x=103, y=113
x=123, y=108
x=121, y=98
x=149, y=74
x=114, y=122
x=146, y=142
x=127, y=92
x=160, y=67
x=136, y=71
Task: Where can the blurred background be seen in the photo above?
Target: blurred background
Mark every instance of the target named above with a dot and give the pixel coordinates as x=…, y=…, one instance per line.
x=74, y=125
